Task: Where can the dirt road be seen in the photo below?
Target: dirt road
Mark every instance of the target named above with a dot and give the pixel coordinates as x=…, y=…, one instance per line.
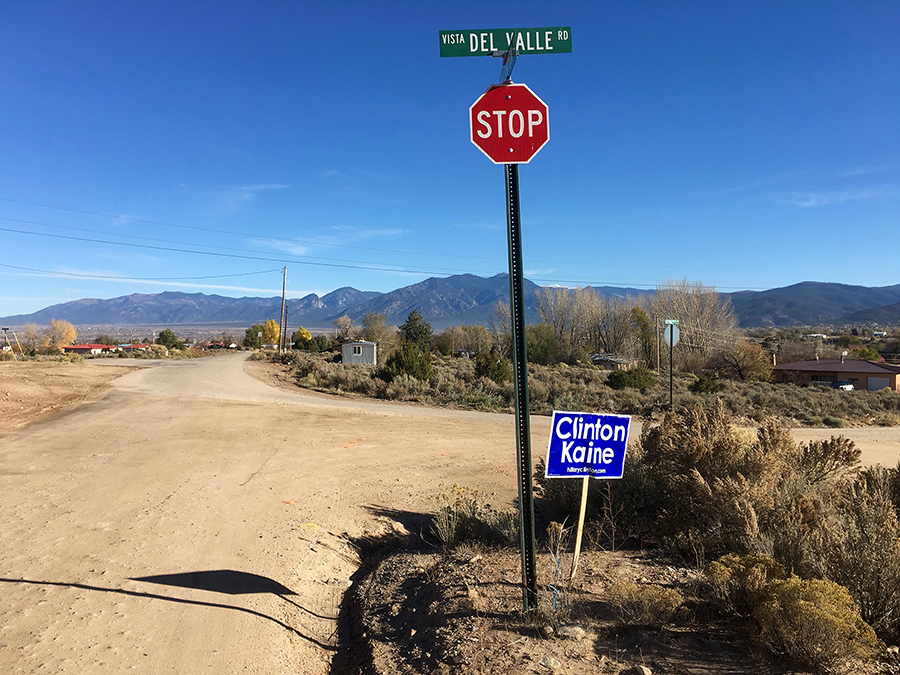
x=192, y=520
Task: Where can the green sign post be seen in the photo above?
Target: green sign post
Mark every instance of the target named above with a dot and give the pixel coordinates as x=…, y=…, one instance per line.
x=556, y=40
x=498, y=103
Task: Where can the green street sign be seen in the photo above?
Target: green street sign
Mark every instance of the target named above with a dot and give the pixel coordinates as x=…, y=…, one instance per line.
x=671, y=322
x=556, y=40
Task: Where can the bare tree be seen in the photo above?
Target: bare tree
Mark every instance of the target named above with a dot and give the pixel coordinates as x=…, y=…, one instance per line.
x=564, y=310
x=608, y=321
x=706, y=320
x=31, y=338
x=343, y=327
x=501, y=328
x=746, y=361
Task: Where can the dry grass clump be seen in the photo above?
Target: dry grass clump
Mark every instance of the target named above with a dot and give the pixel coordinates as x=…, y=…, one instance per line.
x=647, y=605
x=740, y=583
x=460, y=516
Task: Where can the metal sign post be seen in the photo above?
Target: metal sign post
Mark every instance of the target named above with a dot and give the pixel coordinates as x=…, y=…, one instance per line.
x=671, y=335
x=509, y=124
x=520, y=367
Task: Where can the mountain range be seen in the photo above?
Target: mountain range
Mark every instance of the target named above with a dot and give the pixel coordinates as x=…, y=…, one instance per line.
x=454, y=300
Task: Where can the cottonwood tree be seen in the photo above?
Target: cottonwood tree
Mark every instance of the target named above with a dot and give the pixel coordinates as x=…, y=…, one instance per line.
x=746, y=361
x=60, y=334
x=706, y=319
x=565, y=311
x=271, y=332
x=608, y=324
x=500, y=326
x=300, y=338
x=376, y=328
x=473, y=339
x=31, y=338
x=343, y=327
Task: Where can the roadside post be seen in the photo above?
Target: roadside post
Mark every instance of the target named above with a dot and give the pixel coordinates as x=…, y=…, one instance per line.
x=509, y=123
x=586, y=445
x=671, y=335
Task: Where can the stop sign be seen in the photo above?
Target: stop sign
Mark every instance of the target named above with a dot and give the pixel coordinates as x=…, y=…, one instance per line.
x=509, y=124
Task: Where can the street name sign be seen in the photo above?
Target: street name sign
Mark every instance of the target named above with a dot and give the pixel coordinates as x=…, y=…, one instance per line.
x=556, y=40
x=509, y=124
x=587, y=445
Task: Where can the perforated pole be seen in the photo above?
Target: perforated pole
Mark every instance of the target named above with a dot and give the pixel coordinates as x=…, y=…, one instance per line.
x=520, y=367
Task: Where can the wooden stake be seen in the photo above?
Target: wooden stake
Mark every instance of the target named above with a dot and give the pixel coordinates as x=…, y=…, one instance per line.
x=584, y=494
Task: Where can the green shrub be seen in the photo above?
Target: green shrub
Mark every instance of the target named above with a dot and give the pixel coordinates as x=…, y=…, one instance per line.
x=645, y=605
x=707, y=383
x=833, y=422
x=494, y=367
x=815, y=622
x=638, y=378
x=408, y=360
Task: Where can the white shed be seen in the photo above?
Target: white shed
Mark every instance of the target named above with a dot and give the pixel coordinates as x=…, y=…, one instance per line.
x=359, y=352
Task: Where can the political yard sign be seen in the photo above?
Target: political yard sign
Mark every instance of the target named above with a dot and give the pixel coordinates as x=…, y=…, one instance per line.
x=587, y=445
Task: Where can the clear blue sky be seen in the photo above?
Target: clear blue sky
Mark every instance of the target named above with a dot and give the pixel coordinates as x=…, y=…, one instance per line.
x=746, y=145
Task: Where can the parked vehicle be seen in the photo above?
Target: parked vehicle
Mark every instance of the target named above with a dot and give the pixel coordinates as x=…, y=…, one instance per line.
x=842, y=385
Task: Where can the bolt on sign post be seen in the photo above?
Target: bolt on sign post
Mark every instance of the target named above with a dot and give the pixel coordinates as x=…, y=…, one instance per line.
x=671, y=335
x=510, y=124
x=586, y=445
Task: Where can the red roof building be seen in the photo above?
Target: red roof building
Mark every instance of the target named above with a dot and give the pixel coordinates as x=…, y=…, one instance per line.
x=861, y=374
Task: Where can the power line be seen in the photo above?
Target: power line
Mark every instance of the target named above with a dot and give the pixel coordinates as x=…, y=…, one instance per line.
x=238, y=234
x=282, y=260
x=289, y=241
x=106, y=276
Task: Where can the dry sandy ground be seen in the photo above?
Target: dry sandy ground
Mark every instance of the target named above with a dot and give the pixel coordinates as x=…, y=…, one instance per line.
x=195, y=520
x=192, y=519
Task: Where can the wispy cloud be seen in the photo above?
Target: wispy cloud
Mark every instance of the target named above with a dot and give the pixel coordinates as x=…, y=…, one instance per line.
x=366, y=183
x=827, y=198
x=234, y=198
x=335, y=237
x=869, y=170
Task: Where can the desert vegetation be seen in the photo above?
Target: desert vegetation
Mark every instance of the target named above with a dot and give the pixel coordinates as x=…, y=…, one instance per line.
x=793, y=545
x=484, y=383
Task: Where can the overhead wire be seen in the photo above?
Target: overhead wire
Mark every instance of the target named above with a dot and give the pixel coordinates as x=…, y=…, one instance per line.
x=110, y=276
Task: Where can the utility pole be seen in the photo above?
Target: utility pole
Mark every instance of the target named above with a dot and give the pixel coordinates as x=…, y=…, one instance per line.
x=9, y=345
x=281, y=318
x=284, y=328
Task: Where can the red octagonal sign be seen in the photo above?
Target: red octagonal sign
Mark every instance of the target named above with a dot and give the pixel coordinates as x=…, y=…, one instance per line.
x=509, y=124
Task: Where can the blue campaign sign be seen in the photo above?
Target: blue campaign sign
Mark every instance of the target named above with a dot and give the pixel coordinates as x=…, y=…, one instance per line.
x=587, y=444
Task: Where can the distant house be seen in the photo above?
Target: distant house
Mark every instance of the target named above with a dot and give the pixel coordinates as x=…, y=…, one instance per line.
x=90, y=349
x=359, y=352
x=207, y=346
x=134, y=348
x=868, y=375
x=610, y=362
